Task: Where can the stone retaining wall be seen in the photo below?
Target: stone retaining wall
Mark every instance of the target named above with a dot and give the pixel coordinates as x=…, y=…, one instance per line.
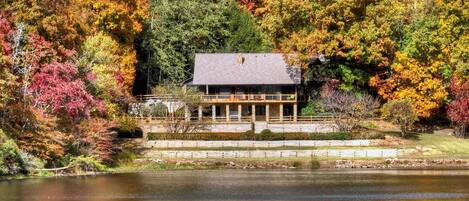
x=259, y=126
x=253, y=144
x=371, y=153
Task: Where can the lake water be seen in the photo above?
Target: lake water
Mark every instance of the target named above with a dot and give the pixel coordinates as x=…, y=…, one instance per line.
x=245, y=185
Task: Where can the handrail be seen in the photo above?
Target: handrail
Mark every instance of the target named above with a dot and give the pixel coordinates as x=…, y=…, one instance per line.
x=223, y=119
x=230, y=97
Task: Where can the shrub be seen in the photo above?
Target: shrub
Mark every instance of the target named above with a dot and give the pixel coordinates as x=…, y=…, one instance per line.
x=248, y=135
x=128, y=128
x=31, y=163
x=297, y=164
x=95, y=138
x=266, y=134
x=10, y=158
x=350, y=109
x=331, y=136
x=312, y=108
x=315, y=164
x=87, y=164
x=400, y=112
x=126, y=156
x=458, y=108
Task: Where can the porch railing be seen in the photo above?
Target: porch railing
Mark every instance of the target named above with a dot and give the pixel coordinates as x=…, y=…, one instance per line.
x=228, y=97
x=244, y=119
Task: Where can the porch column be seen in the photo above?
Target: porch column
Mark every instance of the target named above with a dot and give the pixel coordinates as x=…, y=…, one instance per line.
x=187, y=114
x=240, y=111
x=267, y=113
x=253, y=111
x=214, y=113
x=227, y=111
x=295, y=112
x=280, y=111
x=200, y=109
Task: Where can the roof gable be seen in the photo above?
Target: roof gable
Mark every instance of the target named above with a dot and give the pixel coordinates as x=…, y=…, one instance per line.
x=244, y=69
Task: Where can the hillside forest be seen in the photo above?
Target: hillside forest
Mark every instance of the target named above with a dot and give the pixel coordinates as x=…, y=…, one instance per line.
x=69, y=69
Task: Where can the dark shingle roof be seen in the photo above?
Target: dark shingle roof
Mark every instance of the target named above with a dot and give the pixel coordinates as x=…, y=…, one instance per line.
x=254, y=69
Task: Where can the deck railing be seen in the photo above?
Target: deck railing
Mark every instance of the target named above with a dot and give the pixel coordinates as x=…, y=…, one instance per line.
x=244, y=119
x=214, y=98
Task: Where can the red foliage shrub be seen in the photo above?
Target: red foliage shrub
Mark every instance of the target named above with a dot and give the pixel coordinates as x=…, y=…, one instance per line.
x=458, y=109
x=96, y=139
x=58, y=89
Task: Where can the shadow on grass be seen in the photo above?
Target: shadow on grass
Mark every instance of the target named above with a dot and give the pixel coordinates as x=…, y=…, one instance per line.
x=408, y=136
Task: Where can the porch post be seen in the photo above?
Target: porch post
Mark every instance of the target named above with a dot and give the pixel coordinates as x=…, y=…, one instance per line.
x=253, y=111
x=227, y=111
x=267, y=113
x=295, y=112
x=200, y=112
x=281, y=111
x=214, y=113
x=187, y=114
x=240, y=111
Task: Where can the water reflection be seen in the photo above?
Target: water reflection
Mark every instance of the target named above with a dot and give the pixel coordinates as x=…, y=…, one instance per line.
x=246, y=185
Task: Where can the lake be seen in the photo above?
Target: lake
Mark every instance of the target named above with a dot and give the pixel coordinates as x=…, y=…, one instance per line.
x=246, y=185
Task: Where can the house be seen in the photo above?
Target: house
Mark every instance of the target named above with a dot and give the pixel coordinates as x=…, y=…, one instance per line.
x=240, y=87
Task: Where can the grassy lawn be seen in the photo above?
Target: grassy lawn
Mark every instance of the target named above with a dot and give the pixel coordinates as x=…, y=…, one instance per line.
x=442, y=146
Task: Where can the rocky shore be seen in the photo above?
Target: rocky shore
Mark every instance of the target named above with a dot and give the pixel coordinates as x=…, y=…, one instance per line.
x=393, y=163
x=401, y=164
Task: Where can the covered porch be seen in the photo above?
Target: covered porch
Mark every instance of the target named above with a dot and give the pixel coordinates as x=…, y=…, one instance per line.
x=246, y=112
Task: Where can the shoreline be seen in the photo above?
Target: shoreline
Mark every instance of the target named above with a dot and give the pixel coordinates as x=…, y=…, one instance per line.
x=161, y=165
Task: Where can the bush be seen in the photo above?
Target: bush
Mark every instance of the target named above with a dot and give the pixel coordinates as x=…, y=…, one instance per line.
x=248, y=135
x=315, y=164
x=125, y=156
x=31, y=163
x=87, y=164
x=10, y=159
x=400, y=112
x=266, y=134
x=297, y=164
x=312, y=108
x=331, y=136
x=128, y=128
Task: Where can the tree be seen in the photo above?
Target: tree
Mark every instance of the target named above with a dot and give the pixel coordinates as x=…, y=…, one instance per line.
x=421, y=84
x=57, y=21
x=57, y=89
x=182, y=101
x=95, y=138
x=245, y=35
x=102, y=57
x=350, y=109
x=174, y=32
x=458, y=108
x=356, y=31
x=400, y=112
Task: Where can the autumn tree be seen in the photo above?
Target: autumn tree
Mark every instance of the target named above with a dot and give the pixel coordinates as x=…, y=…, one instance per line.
x=458, y=108
x=400, y=112
x=102, y=58
x=356, y=38
x=429, y=52
x=58, y=89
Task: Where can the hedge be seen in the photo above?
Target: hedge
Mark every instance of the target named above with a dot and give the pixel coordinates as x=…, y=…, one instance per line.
x=265, y=135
